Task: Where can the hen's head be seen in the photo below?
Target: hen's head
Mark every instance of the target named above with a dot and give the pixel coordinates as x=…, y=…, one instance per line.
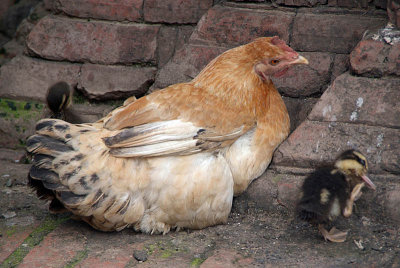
x=272, y=57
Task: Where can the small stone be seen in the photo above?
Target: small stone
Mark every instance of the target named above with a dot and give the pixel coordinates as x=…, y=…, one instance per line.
x=9, y=214
x=140, y=255
x=9, y=182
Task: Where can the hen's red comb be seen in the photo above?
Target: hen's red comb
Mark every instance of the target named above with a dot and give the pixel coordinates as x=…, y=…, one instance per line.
x=281, y=44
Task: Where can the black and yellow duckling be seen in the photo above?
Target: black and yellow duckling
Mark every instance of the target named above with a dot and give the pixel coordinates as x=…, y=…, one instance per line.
x=59, y=98
x=330, y=191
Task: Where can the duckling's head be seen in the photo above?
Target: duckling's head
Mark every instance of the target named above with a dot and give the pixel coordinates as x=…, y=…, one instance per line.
x=354, y=165
x=59, y=97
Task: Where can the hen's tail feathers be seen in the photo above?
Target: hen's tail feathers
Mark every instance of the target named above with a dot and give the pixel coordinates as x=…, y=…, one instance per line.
x=69, y=177
x=49, y=142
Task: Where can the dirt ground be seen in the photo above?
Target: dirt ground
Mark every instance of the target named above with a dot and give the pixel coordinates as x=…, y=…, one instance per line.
x=31, y=237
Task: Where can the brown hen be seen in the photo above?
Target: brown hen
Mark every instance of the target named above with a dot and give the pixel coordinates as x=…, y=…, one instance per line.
x=174, y=158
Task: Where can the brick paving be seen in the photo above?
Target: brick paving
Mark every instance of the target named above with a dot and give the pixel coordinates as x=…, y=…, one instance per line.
x=253, y=237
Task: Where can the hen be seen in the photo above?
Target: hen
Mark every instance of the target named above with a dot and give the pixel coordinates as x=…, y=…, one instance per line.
x=176, y=157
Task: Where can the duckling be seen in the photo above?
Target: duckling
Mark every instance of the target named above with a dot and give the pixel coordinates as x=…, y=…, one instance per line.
x=331, y=190
x=59, y=98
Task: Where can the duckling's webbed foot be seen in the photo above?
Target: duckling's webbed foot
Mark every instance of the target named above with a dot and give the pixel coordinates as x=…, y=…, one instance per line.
x=334, y=235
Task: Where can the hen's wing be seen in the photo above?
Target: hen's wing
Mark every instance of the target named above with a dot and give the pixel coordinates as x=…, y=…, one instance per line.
x=178, y=120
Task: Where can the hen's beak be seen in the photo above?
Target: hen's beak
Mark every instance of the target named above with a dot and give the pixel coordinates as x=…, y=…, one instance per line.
x=300, y=60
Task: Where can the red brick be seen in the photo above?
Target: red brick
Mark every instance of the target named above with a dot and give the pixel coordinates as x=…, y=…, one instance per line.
x=10, y=243
x=118, y=10
x=171, y=39
x=60, y=38
x=375, y=58
x=229, y=26
x=29, y=78
x=108, y=257
x=175, y=11
x=57, y=249
x=115, y=82
x=306, y=80
x=186, y=64
x=360, y=100
x=331, y=33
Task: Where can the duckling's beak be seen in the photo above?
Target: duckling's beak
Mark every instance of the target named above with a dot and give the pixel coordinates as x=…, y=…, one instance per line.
x=369, y=183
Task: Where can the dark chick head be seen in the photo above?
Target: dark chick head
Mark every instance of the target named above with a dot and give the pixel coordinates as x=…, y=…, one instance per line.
x=354, y=165
x=59, y=97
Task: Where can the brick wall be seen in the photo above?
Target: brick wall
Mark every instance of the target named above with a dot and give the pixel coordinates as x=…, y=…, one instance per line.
x=109, y=50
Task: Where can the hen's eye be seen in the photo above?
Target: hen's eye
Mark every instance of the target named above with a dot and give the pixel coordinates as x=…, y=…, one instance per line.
x=274, y=62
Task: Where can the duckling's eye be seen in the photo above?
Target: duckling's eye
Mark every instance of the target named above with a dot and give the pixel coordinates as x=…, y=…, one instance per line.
x=362, y=162
x=274, y=62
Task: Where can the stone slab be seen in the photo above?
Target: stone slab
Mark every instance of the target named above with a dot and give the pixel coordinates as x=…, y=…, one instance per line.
x=314, y=143
x=360, y=100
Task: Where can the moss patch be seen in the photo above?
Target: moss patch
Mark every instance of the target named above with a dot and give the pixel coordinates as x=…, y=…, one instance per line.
x=164, y=249
x=196, y=262
x=13, y=109
x=49, y=224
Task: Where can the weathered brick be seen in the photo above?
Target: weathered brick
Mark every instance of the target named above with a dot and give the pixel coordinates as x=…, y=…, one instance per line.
x=175, y=11
x=340, y=65
x=167, y=40
x=375, y=58
x=171, y=39
x=60, y=38
x=314, y=143
x=349, y=3
x=114, y=82
x=393, y=11
x=117, y=257
x=360, y=100
x=299, y=3
x=4, y=5
x=298, y=109
x=9, y=243
x=118, y=10
x=331, y=33
x=391, y=201
x=57, y=248
x=230, y=26
x=306, y=80
x=29, y=78
x=186, y=64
